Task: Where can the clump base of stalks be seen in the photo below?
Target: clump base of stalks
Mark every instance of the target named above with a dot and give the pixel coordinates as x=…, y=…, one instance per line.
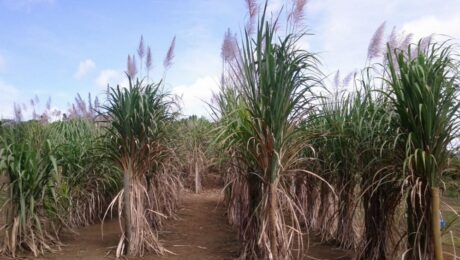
x=262, y=215
x=163, y=197
x=87, y=208
x=37, y=235
x=152, y=200
x=237, y=201
x=323, y=221
x=418, y=211
x=345, y=233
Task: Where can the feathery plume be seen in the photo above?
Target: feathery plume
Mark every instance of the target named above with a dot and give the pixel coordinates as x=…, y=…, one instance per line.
x=252, y=11
x=298, y=14
x=107, y=91
x=134, y=66
x=407, y=41
x=128, y=65
x=229, y=47
x=34, y=102
x=167, y=62
x=425, y=43
x=394, y=43
x=17, y=113
x=141, y=48
x=73, y=112
x=375, y=45
x=348, y=78
x=96, y=103
x=337, y=79
x=90, y=104
x=48, y=103
x=81, y=105
x=148, y=59
x=132, y=70
x=141, y=52
x=394, y=39
x=252, y=8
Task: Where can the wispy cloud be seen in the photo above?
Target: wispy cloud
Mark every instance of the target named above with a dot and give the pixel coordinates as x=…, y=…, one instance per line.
x=196, y=96
x=84, y=68
x=342, y=37
x=110, y=77
x=427, y=25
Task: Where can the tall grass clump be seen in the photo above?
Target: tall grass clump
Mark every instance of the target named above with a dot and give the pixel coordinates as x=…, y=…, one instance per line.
x=91, y=178
x=424, y=93
x=56, y=176
x=230, y=136
x=356, y=155
x=261, y=126
x=33, y=208
x=341, y=147
x=195, y=149
x=137, y=116
x=379, y=169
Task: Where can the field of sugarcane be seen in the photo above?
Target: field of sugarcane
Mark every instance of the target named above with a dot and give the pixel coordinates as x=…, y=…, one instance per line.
x=368, y=163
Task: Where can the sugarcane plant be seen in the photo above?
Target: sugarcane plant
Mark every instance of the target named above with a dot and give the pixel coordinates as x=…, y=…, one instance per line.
x=137, y=116
x=91, y=179
x=193, y=140
x=424, y=92
x=378, y=166
x=272, y=85
x=230, y=137
x=33, y=207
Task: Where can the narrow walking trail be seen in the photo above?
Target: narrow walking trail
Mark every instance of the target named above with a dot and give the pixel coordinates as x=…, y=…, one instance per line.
x=200, y=231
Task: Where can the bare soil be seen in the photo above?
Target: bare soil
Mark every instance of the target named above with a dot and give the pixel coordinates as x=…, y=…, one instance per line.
x=200, y=231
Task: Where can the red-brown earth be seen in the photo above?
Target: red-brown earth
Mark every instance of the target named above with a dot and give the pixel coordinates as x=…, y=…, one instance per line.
x=200, y=231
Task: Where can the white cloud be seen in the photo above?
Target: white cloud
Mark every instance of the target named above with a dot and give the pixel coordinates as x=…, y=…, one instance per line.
x=111, y=77
x=197, y=62
x=9, y=95
x=428, y=25
x=196, y=95
x=342, y=29
x=84, y=68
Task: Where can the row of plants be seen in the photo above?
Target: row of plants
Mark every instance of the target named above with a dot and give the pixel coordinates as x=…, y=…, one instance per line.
x=57, y=179
x=361, y=166
x=117, y=156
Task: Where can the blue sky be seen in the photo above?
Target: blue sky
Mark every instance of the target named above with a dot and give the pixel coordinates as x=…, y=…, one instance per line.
x=57, y=48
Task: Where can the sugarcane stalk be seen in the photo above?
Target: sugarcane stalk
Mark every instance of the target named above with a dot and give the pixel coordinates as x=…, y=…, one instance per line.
x=436, y=225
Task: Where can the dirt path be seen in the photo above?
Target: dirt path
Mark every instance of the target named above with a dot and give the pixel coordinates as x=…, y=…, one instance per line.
x=200, y=232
